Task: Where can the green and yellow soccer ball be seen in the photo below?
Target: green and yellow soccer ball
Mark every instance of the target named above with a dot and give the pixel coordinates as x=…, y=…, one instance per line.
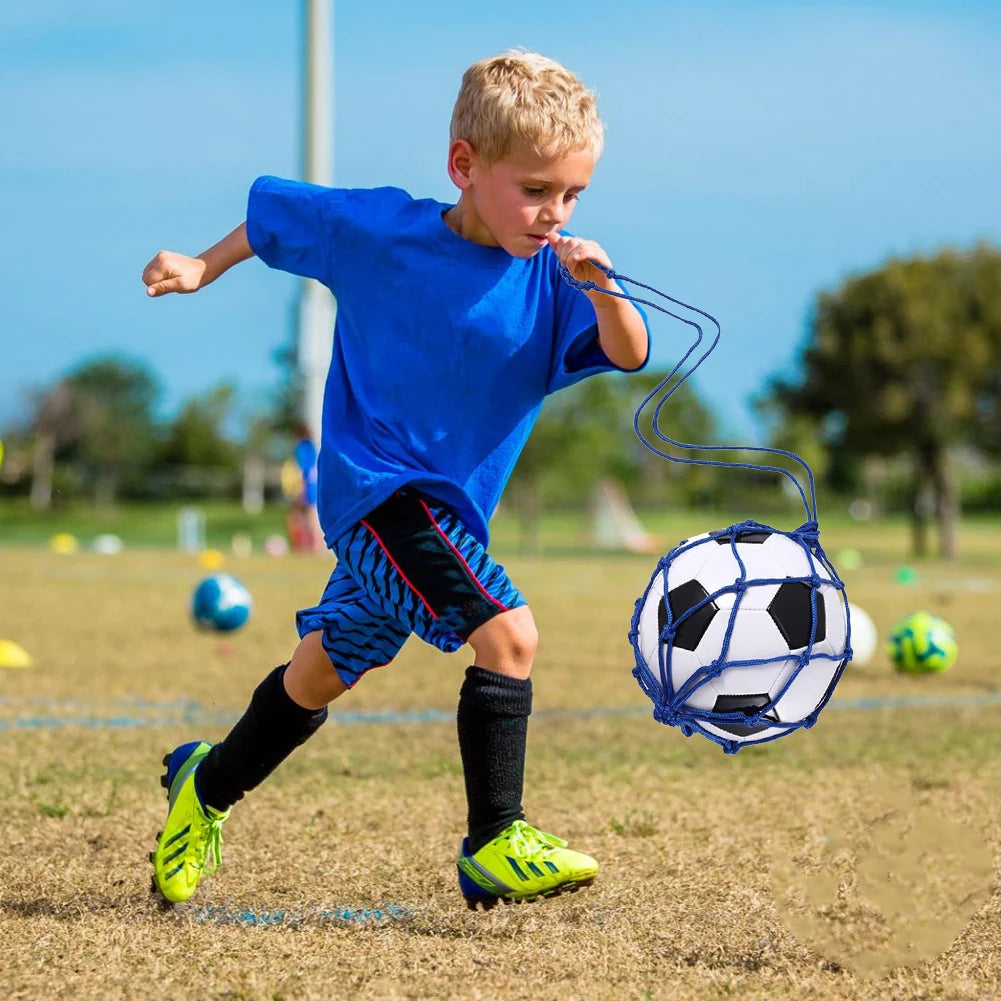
x=922, y=643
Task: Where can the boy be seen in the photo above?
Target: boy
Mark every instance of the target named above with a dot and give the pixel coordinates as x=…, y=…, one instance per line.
x=453, y=324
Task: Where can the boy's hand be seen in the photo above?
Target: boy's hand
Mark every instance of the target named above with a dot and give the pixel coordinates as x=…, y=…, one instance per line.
x=575, y=254
x=170, y=272
x=622, y=332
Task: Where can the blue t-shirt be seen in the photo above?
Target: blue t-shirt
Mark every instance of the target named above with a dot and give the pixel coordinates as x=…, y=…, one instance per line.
x=444, y=350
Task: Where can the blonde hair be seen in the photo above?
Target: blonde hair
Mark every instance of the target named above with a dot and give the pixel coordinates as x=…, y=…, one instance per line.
x=523, y=101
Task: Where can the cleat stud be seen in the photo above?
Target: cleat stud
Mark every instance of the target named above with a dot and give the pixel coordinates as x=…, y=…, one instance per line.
x=152, y=856
x=166, y=760
x=160, y=900
x=487, y=903
x=163, y=780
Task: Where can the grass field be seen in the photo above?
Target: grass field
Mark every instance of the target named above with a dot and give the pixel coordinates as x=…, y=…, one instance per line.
x=855, y=860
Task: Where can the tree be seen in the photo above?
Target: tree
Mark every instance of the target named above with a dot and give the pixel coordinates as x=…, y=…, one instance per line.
x=906, y=360
x=196, y=456
x=985, y=291
x=110, y=402
x=686, y=419
x=53, y=425
x=585, y=433
x=286, y=405
x=573, y=437
x=197, y=437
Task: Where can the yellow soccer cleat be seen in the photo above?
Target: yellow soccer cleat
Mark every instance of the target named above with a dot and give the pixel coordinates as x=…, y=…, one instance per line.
x=190, y=843
x=522, y=863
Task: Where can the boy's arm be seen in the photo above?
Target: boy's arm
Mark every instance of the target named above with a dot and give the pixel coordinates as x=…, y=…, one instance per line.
x=621, y=330
x=170, y=272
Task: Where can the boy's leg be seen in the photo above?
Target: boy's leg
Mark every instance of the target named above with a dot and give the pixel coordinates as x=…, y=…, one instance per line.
x=416, y=558
x=286, y=709
x=204, y=781
x=341, y=638
x=504, y=857
x=495, y=702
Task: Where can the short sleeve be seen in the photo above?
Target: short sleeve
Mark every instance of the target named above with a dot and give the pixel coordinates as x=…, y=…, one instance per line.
x=292, y=226
x=578, y=353
x=317, y=232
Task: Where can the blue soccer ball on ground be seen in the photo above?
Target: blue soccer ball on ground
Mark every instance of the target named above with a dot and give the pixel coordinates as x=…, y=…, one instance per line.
x=221, y=602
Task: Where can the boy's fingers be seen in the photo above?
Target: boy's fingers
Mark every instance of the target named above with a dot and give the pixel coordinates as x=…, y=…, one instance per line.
x=576, y=253
x=166, y=273
x=155, y=289
x=157, y=268
x=564, y=247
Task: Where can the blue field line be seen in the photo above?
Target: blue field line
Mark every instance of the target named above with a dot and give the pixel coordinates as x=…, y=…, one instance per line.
x=248, y=918
x=130, y=714
x=915, y=701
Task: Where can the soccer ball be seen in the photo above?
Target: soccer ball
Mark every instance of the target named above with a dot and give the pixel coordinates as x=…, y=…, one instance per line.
x=865, y=639
x=742, y=634
x=922, y=643
x=220, y=602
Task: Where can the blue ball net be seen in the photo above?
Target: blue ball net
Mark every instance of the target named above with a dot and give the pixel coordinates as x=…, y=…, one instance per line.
x=800, y=619
x=732, y=721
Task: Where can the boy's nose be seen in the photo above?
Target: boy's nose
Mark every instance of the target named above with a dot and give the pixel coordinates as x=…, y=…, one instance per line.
x=553, y=212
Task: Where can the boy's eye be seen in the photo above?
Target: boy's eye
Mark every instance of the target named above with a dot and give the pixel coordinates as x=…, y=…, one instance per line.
x=537, y=192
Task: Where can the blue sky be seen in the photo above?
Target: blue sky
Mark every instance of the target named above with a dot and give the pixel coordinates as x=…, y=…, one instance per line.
x=756, y=154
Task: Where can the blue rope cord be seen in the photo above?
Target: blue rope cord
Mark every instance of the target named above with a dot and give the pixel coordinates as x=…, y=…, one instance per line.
x=671, y=702
x=810, y=504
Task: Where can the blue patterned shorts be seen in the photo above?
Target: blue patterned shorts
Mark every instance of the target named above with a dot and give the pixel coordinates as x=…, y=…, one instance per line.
x=409, y=566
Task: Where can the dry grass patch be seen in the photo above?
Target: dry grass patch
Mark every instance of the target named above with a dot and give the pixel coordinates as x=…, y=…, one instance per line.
x=748, y=876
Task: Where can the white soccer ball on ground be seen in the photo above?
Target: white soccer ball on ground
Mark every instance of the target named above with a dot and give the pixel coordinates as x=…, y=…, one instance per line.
x=865, y=638
x=741, y=634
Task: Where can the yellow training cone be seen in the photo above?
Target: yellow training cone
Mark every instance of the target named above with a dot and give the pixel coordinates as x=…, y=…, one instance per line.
x=64, y=544
x=211, y=559
x=12, y=655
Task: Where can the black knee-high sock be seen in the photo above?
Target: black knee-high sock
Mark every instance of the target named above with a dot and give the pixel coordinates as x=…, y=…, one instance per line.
x=493, y=727
x=268, y=732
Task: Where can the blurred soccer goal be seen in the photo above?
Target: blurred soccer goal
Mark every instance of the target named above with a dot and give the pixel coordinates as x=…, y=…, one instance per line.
x=614, y=524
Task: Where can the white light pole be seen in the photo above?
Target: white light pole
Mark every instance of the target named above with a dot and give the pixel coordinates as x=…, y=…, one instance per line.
x=317, y=308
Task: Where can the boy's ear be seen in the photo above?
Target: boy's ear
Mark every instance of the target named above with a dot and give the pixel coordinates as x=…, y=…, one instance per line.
x=461, y=159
